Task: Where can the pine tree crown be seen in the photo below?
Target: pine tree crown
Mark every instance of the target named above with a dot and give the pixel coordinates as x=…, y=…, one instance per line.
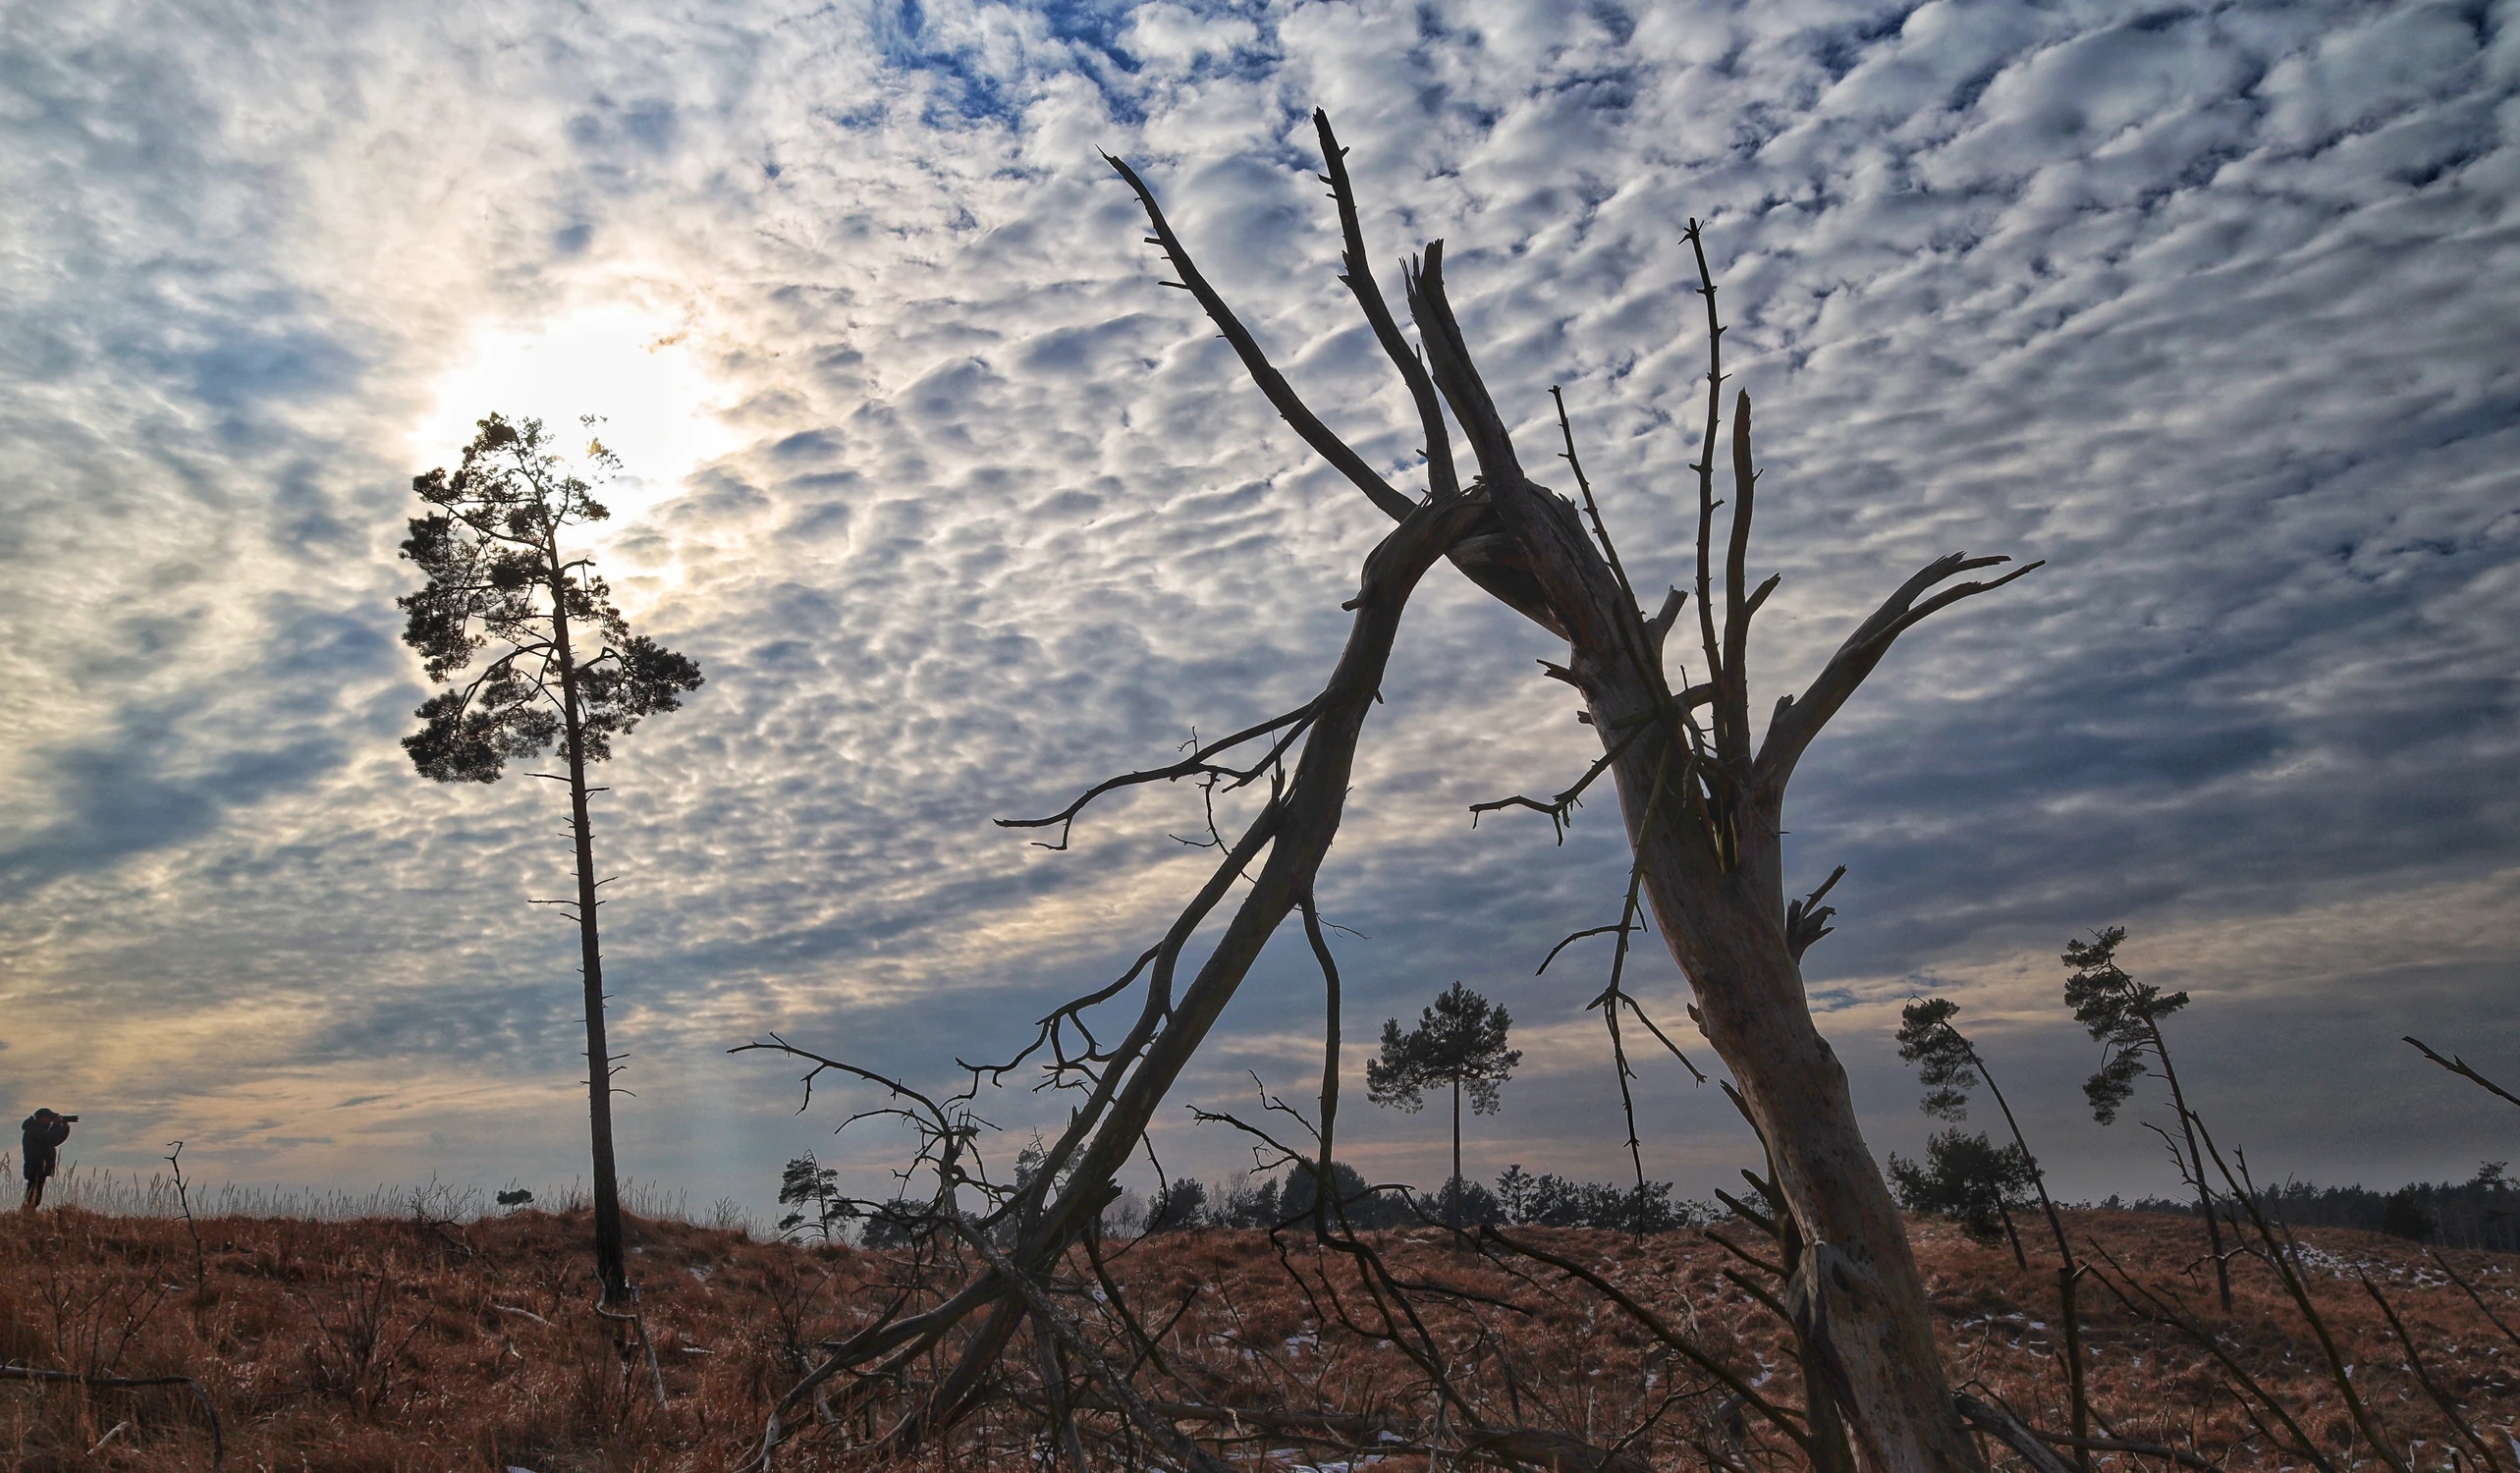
x=490, y=549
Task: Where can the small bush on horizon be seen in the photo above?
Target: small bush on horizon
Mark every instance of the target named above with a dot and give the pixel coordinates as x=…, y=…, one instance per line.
x=1965, y=1177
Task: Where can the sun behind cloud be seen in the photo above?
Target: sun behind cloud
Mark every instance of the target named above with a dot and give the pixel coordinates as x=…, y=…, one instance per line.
x=635, y=368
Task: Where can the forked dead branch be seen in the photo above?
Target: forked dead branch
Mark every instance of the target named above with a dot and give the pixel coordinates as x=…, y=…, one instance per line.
x=1702, y=803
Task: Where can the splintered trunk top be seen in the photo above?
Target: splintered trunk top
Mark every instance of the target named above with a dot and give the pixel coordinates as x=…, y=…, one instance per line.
x=610, y=1261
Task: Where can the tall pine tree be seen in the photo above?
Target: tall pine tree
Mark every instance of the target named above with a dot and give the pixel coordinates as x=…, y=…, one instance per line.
x=562, y=667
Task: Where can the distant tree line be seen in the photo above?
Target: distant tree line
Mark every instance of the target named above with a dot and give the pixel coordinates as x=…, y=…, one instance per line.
x=1518, y=1199
x=2480, y=1212
x=1185, y=1203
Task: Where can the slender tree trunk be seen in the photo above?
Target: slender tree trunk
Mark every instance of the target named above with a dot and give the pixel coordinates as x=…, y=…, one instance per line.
x=1295, y=832
x=2038, y=1177
x=2196, y=1164
x=1456, y=1193
x=2019, y=1258
x=611, y=1267
x=2066, y=1273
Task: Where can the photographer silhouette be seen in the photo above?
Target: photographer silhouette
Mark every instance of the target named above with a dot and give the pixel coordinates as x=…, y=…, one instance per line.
x=42, y=1132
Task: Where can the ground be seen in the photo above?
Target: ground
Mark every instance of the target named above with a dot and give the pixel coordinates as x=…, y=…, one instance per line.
x=420, y=1344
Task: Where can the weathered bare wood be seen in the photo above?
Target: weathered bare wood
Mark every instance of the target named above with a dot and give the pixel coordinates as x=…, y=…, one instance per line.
x=1055, y=1328
x=1357, y=273
x=2168, y=1454
x=1306, y=820
x=1714, y=878
x=1797, y=720
x=2014, y=1434
x=1282, y=397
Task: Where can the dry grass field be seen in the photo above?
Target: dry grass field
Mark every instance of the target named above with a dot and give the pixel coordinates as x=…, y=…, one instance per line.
x=413, y=1344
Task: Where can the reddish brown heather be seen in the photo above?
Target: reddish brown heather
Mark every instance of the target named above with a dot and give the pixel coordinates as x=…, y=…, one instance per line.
x=408, y=1345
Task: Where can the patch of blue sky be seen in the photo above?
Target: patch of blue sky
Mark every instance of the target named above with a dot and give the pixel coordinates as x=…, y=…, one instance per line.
x=970, y=94
x=241, y=366
x=1092, y=44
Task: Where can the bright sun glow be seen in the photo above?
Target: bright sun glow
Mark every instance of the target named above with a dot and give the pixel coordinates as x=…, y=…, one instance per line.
x=634, y=368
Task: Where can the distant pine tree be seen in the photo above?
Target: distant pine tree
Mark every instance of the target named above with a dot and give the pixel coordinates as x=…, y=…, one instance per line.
x=2404, y=1217
x=1459, y=1044
x=813, y=1189
x=1182, y=1204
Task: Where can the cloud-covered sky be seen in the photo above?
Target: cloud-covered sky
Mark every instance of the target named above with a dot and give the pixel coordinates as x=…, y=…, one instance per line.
x=2212, y=307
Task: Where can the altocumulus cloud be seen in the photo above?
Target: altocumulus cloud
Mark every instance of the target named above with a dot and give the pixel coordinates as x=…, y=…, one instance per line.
x=2211, y=308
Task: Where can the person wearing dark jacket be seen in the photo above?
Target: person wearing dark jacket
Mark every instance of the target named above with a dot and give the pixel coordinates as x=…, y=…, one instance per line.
x=43, y=1132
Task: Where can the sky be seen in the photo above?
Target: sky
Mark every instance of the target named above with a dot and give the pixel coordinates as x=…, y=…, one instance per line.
x=2210, y=306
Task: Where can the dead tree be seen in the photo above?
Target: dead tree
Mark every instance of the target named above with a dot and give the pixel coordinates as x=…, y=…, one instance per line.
x=1702, y=803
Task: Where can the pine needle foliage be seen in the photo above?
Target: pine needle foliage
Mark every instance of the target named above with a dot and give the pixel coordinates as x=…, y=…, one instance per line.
x=497, y=579
x=2124, y=1015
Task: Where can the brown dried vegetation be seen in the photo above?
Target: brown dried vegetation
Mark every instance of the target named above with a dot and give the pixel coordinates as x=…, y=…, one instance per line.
x=408, y=1344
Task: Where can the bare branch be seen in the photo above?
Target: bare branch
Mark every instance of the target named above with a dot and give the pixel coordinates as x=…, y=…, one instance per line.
x=1046, y=1315
x=1807, y=920
x=1643, y=656
x=1704, y=464
x=1306, y=819
x=2013, y=1433
x=1328, y=1155
x=1571, y=941
x=1560, y=809
x=2477, y=1299
x=2459, y=1066
x=1688, y=1349
x=1659, y=628
x=1732, y=714
x=1195, y=765
x=1289, y=404
x=1447, y=359
x=2448, y=1405
x=1798, y=720
x=2163, y=1309
x=1442, y=482
x=209, y=1413
x=1656, y=1028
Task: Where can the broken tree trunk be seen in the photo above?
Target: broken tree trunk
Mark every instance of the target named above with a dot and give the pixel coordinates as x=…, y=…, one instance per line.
x=1704, y=816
